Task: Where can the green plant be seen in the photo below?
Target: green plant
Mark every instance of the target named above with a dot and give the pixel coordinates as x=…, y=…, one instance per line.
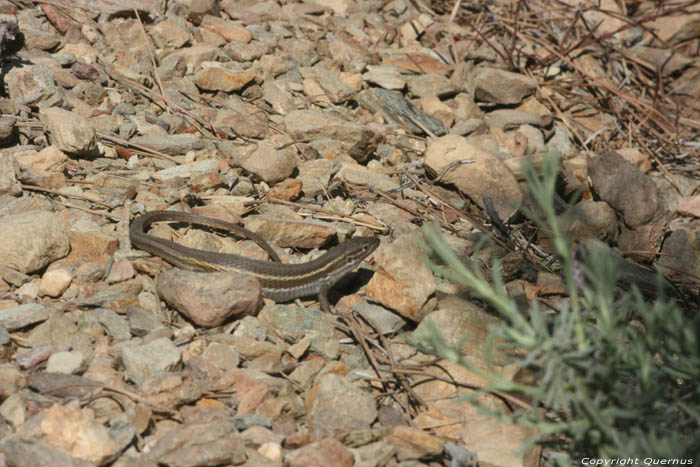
x=613, y=375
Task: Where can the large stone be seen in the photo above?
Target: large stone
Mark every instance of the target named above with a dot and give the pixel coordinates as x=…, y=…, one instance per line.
x=624, y=187
x=216, y=78
x=488, y=175
x=32, y=240
x=502, y=87
x=403, y=281
x=336, y=406
x=69, y=131
x=309, y=125
x=32, y=85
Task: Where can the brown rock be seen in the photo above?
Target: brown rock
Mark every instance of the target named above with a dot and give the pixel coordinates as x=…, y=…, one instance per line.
x=169, y=33
x=501, y=87
x=272, y=165
x=324, y=453
x=55, y=282
x=198, y=9
x=403, y=281
x=32, y=84
x=591, y=219
x=309, y=125
x=414, y=443
x=211, y=443
x=32, y=240
x=315, y=175
x=76, y=432
x=220, y=79
x=88, y=247
x=70, y=132
x=9, y=168
x=336, y=406
x=636, y=157
x=624, y=187
x=226, y=29
x=287, y=190
x=287, y=233
x=680, y=255
x=49, y=158
x=642, y=242
x=457, y=317
x=689, y=206
x=488, y=175
x=209, y=299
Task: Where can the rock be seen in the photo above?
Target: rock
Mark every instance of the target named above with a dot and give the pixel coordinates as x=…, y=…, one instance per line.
x=636, y=157
x=55, y=282
x=278, y=96
x=17, y=317
x=9, y=185
x=31, y=241
x=241, y=123
x=624, y=187
x=34, y=356
x=308, y=125
x=325, y=452
x=680, y=254
x=287, y=190
x=431, y=84
x=359, y=176
x=286, y=233
x=386, y=76
x=210, y=299
x=336, y=406
x=386, y=321
x=500, y=86
x=211, y=443
x=403, y=281
x=296, y=324
x=143, y=361
x=8, y=130
x=414, y=443
x=21, y=452
x=198, y=9
x=270, y=164
x=169, y=33
x=226, y=29
x=434, y=107
x=689, y=206
x=65, y=362
x=49, y=158
x=225, y=357
x=508, y=119
x=591, y=219
x=455, y=318
x=77, y=433
x=486, y=176
x=330, y=84
x=536, y=109
x=196, y=55
x=120, y=271
x=187, y=171
x=142, y=322
x=216, y=78
x=69, y=131
x=641, y=243
x=171, y=67
x=33, y=85
x=399, y=109
x=114, y=325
